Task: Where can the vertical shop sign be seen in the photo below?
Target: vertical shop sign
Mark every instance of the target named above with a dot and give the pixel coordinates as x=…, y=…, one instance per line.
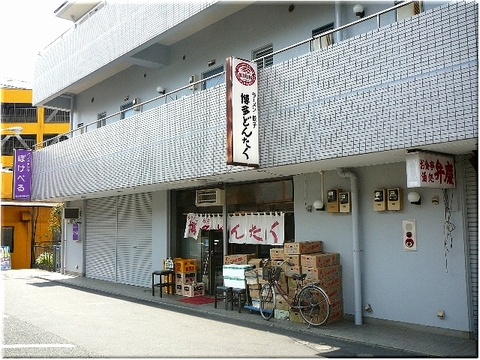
x=22, y=173
x=242, y=112
x=75, y=232
x=430, y=170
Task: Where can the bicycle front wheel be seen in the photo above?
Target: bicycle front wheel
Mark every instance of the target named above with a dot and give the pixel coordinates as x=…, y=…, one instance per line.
x=314, y=305
x=267, y=301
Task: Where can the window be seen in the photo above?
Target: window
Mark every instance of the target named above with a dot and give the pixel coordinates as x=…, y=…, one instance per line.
x=17, y=112
x=267, y=60
x=7, y=237
x=56, y=116
x=409, y=10
x=102, y=121
x=322, y=41
x=127, y=110
x=10, y=142
x=213, y=81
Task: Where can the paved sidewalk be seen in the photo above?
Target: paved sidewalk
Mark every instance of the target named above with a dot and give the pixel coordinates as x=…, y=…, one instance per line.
x=393, y=337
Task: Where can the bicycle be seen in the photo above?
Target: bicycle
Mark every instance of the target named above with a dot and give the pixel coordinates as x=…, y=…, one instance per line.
x=309, y=299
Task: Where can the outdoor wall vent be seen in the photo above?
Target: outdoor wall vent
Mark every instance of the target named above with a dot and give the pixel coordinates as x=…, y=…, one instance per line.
x=71, y=213
x=210, y=197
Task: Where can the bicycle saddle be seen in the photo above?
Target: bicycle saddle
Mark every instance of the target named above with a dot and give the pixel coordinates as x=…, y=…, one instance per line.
x=299, y=276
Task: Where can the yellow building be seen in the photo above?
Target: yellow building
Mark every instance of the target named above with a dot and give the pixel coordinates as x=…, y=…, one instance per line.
x=25, y=223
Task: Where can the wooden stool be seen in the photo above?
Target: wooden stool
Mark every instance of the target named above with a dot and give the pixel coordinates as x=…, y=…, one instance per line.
x=224, y=293
x=240, y=297
x=169, y=281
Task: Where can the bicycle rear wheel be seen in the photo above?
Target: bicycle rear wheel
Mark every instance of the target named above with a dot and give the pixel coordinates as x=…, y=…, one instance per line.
x=267, y=301
x=314, y=305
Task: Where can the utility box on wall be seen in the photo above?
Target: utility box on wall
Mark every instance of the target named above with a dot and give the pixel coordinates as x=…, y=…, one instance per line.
x=394, y=199
x=345, y=201
x=333, y=204
x=379, y=200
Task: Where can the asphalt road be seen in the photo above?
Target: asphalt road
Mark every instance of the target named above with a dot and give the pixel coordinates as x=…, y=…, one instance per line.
x=49, y=320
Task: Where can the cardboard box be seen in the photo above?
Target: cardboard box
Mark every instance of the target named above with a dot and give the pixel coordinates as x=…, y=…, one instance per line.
x=236, y=270
x=290, y=270
x=251, y=277
x=257, y=263
x=317, y=273
x=281, y=303
x=281, y=314
x=256, y=302
x=192, y=290
x=241, y=259
x=234, y=282
x=185, y=265
x=276, y=253
x=303, y=247
x=294, y=315
x=254, y=293
x=185, y=278
x=293, y=259
x=320, y=260
x=179, y=289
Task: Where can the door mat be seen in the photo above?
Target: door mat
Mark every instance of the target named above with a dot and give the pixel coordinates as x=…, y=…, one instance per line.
x=198, y=300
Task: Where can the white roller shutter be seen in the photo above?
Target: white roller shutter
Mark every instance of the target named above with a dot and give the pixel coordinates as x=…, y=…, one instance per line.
x=100, y=239
x=134, y=240
x=472, y=218
x=118, y=242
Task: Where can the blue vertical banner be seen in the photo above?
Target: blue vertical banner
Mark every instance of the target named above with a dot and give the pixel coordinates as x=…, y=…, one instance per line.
x=22, y=174
x=75, y=232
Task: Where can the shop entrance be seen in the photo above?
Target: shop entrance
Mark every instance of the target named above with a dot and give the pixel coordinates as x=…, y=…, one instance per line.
x=212, y=259
x=208, y=251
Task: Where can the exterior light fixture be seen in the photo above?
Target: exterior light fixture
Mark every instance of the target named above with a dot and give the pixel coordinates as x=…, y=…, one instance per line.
x=359, y=11
x=319, y=205
x=414, y=198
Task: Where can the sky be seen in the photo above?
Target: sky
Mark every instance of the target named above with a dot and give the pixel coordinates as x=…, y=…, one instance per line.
x=27, y=27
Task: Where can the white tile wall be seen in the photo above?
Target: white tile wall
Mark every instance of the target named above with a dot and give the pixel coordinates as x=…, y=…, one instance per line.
x=405, y=85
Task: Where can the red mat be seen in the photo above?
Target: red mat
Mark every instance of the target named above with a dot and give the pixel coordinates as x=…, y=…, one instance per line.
x=198, y=300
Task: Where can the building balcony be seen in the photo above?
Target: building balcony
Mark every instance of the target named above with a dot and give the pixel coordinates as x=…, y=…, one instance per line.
x=362, y=101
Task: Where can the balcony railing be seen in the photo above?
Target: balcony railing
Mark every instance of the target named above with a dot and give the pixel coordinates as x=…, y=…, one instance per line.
x=19, y=115
x=56, y=116
x=171, y=95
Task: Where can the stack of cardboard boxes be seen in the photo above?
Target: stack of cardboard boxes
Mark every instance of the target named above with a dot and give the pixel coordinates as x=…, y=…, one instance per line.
x=306, y=257
x=186, y=278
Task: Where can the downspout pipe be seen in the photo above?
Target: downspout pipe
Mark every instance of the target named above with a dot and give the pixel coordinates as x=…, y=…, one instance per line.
x=357, y=272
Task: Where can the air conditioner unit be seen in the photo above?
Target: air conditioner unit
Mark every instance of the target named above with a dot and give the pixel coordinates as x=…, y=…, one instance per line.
x=210, y=197
x=71, y=213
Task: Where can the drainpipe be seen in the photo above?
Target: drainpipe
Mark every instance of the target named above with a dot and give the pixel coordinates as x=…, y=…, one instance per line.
x=357, y=278
x=225, y=220
x=338, y=20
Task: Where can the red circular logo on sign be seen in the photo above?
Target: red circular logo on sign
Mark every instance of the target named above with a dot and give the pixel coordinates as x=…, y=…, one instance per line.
x=245, y=74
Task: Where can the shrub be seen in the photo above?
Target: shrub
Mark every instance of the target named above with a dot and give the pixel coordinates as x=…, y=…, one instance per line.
x=45, y=259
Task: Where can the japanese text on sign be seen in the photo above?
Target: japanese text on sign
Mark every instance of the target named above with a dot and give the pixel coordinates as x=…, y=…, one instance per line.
x=430, y=170
x=242, y=113
x=22, y=173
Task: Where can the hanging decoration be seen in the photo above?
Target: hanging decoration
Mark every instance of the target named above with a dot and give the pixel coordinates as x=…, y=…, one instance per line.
x=257, y=228
x=198, y=222
x=252, y=228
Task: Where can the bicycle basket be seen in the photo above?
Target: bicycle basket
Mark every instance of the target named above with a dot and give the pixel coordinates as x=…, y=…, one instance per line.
x=271, y=273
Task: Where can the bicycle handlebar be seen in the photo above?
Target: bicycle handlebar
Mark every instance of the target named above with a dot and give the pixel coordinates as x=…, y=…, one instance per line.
x=266, y=261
